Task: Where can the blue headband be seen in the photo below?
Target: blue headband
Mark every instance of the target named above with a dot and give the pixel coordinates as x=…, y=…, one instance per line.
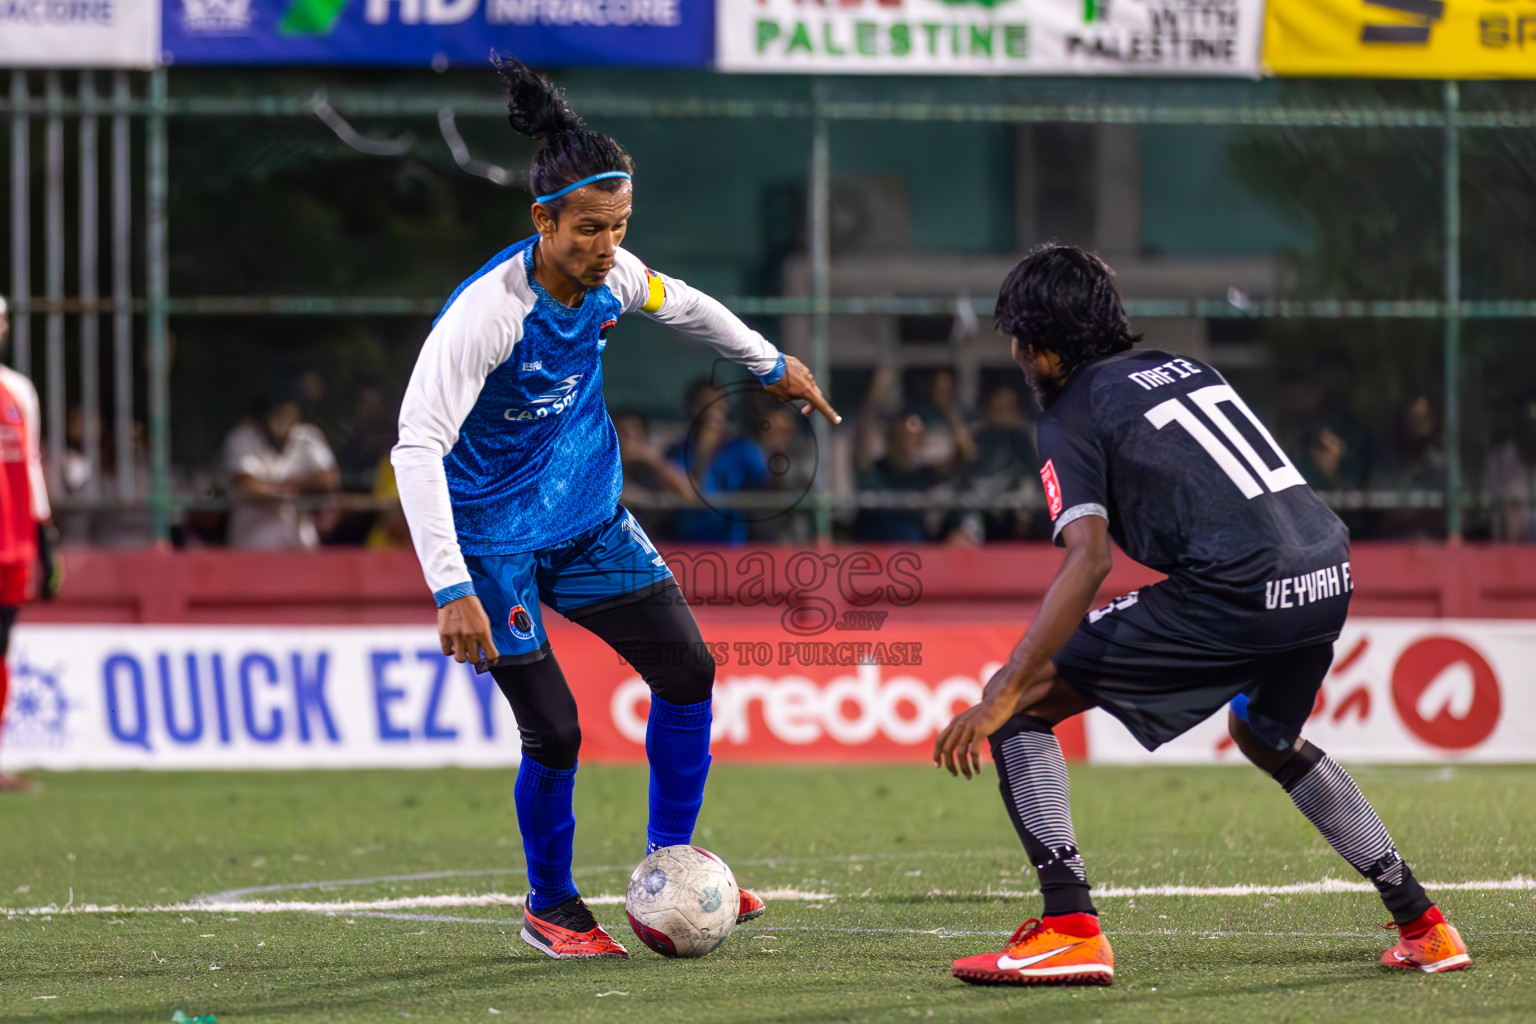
x=577, y=184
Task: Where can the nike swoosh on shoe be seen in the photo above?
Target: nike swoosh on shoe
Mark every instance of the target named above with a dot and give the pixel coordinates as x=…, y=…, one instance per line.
x=1007, y=963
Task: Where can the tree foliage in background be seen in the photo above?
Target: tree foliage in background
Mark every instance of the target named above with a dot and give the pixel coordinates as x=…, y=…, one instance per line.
x=1373, y=200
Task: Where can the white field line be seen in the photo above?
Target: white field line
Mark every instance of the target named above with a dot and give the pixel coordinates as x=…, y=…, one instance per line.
x=580, y=871
x=1519, y=883
x=363, y=907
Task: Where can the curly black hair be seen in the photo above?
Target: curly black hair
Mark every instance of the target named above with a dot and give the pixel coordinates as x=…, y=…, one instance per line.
x=536, y=107
x=1063, y=299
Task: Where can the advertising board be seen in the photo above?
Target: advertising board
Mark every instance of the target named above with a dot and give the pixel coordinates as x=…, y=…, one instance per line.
x=439, y=33
x=188, y=697
x=991, y=37
x=1400, y=38
x=99, y=34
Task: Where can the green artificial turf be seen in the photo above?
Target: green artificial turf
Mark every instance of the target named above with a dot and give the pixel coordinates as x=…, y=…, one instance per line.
x=904, y=858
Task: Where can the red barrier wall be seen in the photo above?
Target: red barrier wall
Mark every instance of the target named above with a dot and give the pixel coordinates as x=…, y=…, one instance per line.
x=997, y=583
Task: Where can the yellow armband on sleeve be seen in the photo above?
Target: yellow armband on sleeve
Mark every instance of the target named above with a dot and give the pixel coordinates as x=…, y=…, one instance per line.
x=657, y=293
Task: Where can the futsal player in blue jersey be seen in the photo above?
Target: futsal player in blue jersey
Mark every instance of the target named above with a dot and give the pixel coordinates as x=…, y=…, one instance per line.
x=509, y=473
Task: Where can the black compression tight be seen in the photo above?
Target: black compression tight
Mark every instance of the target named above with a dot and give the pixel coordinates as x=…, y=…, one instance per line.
x=7, y=620
x=657, y=635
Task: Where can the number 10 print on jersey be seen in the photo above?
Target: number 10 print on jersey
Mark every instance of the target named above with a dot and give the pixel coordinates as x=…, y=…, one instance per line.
x=1209, y=400
x=1193, y=485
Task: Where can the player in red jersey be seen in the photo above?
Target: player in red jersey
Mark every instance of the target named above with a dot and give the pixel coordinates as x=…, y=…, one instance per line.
x=26, y=527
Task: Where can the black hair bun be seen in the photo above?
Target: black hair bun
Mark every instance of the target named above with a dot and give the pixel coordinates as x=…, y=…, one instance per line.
x=536, y=107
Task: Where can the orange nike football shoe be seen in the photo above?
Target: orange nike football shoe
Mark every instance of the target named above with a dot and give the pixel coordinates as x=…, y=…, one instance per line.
x=752, y=908
x=568, y=932
x=1434, y=947
x=1065, y=950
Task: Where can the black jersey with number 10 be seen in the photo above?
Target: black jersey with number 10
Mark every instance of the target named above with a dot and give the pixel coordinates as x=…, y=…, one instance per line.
x=1194, y=486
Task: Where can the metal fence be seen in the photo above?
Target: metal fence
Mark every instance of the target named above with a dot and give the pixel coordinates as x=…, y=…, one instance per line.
x=84, y=103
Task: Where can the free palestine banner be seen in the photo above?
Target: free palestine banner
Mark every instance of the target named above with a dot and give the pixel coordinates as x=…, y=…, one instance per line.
x=991, y=37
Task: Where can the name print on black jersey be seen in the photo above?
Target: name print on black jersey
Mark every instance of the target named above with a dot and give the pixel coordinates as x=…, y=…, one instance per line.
x=1156, y=378
x=1308, y=588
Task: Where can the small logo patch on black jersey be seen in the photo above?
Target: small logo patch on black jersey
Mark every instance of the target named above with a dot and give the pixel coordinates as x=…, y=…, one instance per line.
x=602, y=332
x=1052, y=488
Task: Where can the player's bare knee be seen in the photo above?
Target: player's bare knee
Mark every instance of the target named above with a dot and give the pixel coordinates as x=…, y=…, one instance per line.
x=1261, y=754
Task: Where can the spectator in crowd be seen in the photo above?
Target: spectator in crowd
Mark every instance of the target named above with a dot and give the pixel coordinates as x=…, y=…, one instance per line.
x=1509, y=476
x=716, y=460
x=126, y=520
x=902, y=469
x=368, y=434
x=362, y=454
x=389, y=526
x=940, y=410
x=1005, y=464
x=1330, y=462
x=74, y=481
x=1322, y=460
x=1414, y=466
x=648, y=475
x=785, y=439
x=274, y=460
x=1320, y=396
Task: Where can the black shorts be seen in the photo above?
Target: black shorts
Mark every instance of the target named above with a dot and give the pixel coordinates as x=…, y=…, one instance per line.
x=1161, y=686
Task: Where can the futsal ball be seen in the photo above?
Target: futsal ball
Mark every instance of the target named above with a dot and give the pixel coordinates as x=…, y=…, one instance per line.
x=682, y=901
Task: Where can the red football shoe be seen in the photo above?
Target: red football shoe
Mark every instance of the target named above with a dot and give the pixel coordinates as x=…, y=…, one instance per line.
x=752, y=908
x=14, y=783
x=1064, y=950
x=568, y=932
x=1434, y=947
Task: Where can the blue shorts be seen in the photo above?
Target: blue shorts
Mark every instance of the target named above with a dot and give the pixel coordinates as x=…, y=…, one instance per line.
x=606, y=566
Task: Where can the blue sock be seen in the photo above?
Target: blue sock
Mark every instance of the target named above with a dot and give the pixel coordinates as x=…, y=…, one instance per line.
x=677, y=744
x=548, y=824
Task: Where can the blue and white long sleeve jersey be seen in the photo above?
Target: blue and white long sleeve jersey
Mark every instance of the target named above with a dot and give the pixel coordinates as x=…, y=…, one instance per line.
x=505, y=443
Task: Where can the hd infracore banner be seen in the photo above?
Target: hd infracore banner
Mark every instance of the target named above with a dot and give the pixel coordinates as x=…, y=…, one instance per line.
x=439, y=33
x=1402, y=38
x=991, y=37
x=79, y=33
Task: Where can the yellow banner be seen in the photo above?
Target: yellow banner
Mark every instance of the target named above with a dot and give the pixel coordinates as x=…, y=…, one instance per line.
x=1401, y=38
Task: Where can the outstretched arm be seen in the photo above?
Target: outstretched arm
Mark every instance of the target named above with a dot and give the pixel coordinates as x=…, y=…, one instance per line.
x=798, y=383
x=671, y=301
x=1077, y=494
x=466, y=343
x=1066, y=602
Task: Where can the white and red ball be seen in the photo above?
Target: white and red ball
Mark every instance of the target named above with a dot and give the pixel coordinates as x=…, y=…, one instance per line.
x=682, y=901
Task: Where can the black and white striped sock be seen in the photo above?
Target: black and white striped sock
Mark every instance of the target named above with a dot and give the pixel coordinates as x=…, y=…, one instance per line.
x=1326, y=794
x=1032, y=775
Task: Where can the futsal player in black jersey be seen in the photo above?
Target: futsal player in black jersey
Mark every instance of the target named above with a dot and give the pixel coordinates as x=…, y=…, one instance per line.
x=1159, y=454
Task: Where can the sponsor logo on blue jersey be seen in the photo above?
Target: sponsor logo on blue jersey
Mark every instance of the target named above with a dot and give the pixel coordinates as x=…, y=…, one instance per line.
x=551, y=403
